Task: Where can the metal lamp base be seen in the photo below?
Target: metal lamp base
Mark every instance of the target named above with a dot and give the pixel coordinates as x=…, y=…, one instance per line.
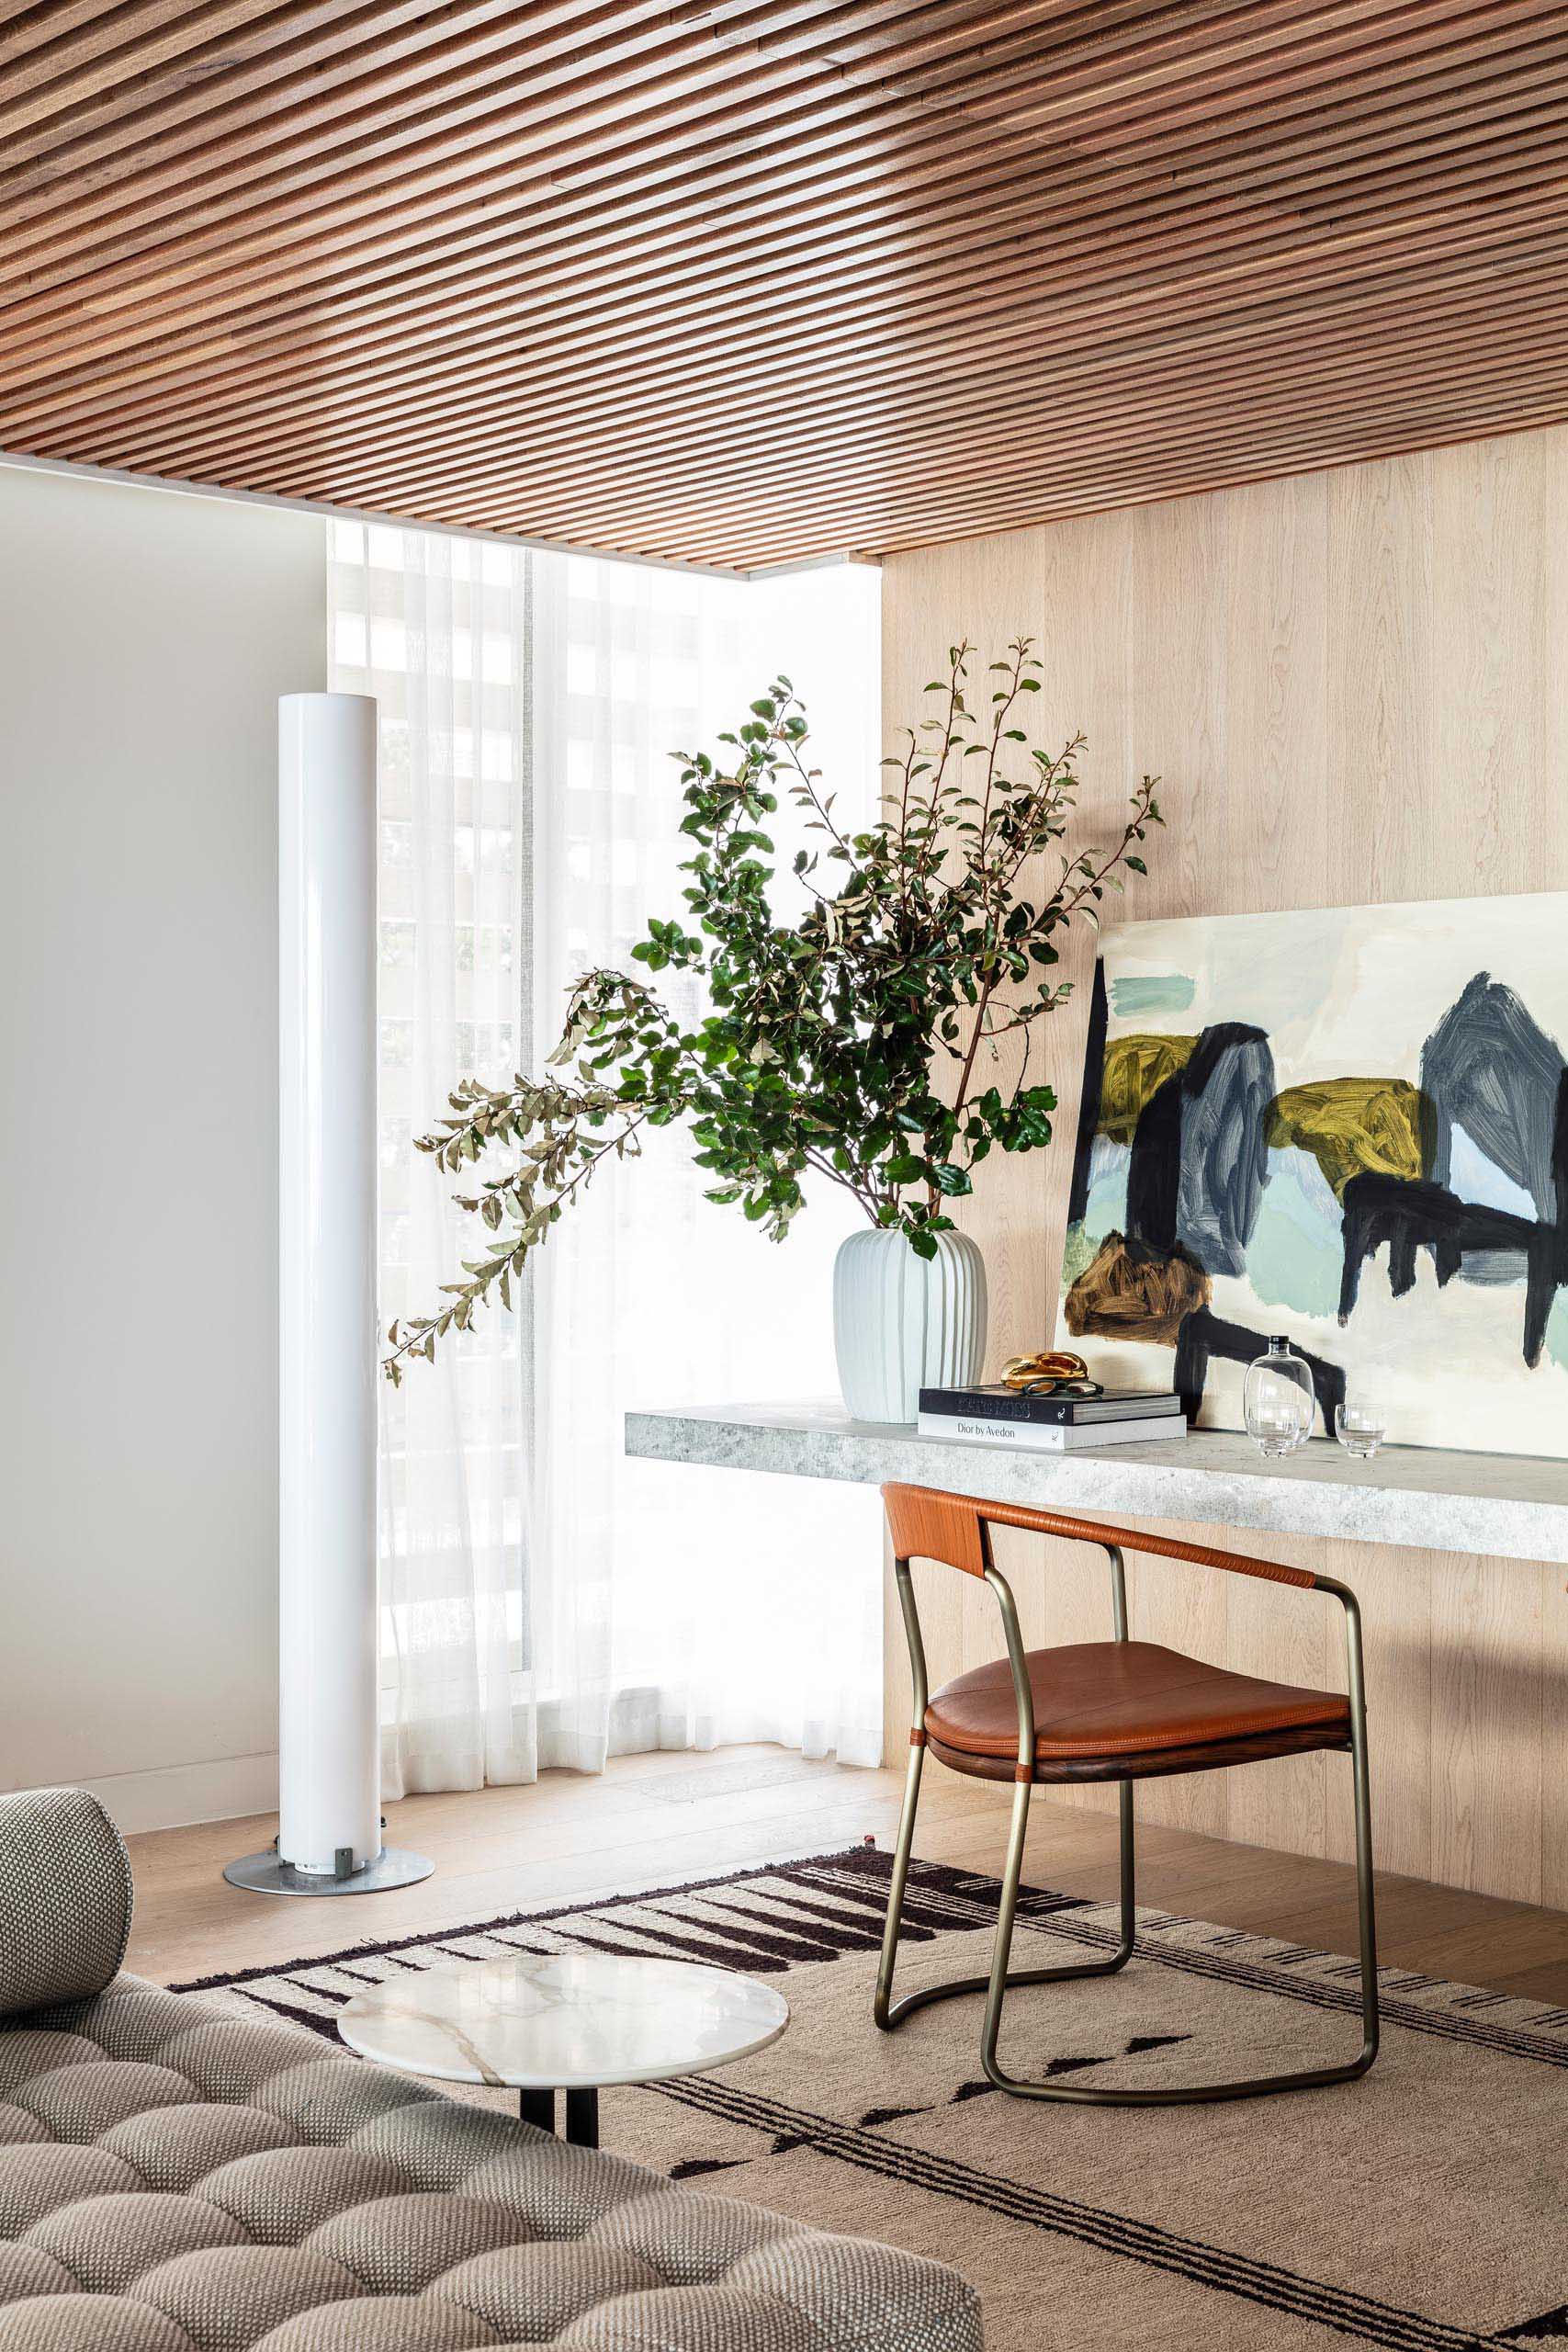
x=269, y=1874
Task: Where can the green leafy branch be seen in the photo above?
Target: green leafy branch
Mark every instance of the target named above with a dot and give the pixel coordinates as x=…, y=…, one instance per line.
x=862, y=1043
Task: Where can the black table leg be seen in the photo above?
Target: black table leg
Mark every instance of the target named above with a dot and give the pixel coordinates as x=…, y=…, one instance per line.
x=582, y=2114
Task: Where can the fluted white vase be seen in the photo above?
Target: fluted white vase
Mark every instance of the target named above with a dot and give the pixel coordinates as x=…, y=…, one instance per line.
x=903, y=1323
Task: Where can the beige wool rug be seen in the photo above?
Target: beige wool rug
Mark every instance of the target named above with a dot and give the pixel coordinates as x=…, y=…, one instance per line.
x=1423, y=2209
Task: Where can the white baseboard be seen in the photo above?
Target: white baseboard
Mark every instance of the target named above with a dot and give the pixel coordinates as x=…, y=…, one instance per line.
x=175, y=1795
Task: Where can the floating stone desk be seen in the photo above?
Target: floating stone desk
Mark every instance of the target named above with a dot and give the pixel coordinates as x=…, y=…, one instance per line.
x=1502, y=1506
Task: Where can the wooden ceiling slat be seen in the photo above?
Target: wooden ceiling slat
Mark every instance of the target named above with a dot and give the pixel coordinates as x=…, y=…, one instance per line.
x=367, y=379
x=985, y=413
x=1017, y=499
x=66, y=74
x=1171, y=412
x=351, y=471
x=555, y=385
x=1016, y=349
x=176, y=161
x=425, y=160
x=1453, y=379
x=131, y=128
x=742, y=281
x=969, y=464
x=229, y=132
x=1268, y=453
x=207, y=365
x=304, y=242
x=1284, y=447
x=887, y=182
x=340, y=120
x=250, y=363
x=851, y=438
x=1081, y=419
x=440, y=147
x=24, y=25
x=332, y=85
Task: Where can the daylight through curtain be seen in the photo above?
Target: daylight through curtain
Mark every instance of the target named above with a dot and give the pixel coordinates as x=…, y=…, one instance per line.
x=547, y=1602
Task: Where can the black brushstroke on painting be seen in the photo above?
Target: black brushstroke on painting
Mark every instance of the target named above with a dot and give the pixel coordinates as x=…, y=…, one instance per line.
x=1412, y=1216
x=1154, y=1173
x=1089, y=1101
x=1425, y=1216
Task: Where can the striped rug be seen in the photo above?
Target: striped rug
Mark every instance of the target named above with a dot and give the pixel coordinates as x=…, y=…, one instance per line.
x=1424, y=2210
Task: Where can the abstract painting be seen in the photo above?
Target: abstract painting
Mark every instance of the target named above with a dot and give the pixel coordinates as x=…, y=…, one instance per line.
x=1348, y=1125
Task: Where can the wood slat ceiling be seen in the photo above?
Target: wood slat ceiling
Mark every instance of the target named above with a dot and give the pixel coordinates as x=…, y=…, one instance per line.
x=743, y=284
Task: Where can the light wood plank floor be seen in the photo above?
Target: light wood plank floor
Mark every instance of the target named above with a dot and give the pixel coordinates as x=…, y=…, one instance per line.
x=661, y=1819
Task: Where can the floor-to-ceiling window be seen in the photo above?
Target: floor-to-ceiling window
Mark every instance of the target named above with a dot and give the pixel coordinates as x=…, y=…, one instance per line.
x=547, y=1600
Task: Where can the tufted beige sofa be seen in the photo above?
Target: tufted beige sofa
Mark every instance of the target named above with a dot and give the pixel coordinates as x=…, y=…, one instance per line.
x=173, y=2179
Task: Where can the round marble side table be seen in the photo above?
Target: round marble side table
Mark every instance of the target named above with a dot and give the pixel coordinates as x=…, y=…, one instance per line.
x=542, y=2023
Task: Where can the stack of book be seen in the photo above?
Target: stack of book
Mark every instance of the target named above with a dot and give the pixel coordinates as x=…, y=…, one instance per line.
x=993, y=1415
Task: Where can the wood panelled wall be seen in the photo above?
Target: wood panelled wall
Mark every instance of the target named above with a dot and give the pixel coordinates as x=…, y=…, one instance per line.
x=1355, y=686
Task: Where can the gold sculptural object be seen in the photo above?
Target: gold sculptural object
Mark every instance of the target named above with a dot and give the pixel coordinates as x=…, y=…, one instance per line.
x=1048, y=1369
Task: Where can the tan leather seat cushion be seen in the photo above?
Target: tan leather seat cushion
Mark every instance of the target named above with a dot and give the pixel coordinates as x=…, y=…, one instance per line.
x=1109, y=1698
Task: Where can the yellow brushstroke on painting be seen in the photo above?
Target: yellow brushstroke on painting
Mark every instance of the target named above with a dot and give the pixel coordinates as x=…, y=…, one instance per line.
x=1136, y=1068
x=1356, y=1126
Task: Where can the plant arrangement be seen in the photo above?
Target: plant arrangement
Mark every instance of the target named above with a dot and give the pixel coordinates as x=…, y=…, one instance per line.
x=862, y=1041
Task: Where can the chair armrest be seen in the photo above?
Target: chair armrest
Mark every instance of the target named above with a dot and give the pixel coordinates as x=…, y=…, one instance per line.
x=930, y=1524
x=1091, y=1530
x=65, y=1898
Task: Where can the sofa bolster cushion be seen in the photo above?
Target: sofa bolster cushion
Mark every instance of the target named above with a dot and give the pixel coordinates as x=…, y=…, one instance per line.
x=65, y=1897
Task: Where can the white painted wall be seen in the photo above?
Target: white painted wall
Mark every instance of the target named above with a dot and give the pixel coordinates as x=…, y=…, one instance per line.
x=144, y=640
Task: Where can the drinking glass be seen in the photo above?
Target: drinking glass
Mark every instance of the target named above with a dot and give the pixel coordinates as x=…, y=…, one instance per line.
x=1360, y=1424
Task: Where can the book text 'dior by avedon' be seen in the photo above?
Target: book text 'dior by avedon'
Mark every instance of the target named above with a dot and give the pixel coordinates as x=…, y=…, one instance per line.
x=993, y=1414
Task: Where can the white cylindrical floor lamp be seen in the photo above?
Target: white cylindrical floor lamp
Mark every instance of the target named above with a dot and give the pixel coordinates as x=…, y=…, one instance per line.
x=329, y=1839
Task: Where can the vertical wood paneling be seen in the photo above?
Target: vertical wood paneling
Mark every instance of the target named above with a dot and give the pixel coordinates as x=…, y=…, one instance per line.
x=1289, y=1637
x=1486, y=1727
x=1378, y=710
x=1178, y=672
x=1354, y=686
x=1554, y=1735
x=1273, y=819
x=1395, y=1589
x=1490, y=558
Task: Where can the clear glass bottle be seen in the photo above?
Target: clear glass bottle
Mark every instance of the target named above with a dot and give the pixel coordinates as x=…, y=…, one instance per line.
x=1278, y=1400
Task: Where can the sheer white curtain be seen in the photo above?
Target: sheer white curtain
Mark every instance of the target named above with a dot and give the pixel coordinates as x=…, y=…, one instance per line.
x=546, y=1601
x=437, y=629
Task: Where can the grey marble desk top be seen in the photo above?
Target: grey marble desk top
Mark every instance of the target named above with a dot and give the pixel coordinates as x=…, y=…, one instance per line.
x=1505, y=1505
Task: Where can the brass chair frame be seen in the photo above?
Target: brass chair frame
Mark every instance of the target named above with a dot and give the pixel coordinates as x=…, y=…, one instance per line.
x=889, y=2014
